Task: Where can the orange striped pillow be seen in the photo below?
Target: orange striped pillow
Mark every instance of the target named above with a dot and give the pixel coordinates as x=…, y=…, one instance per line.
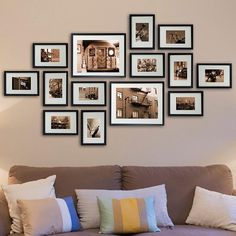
x=128, y=215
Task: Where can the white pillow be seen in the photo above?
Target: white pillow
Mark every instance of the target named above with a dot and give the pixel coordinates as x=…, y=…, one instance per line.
x=89, y=212
x=38, y=189
x=212, y=209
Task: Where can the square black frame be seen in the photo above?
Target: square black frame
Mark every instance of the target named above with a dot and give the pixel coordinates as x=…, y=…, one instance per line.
x=41, y=44
x=105, y=126
x=130, y=31
x=44, y=77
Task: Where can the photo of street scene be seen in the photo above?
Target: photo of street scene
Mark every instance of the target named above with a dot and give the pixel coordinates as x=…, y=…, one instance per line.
x=88, y=93
x=175, y=36
x=50, y=55
x=55, y=88
x=21, y=83
x=60, y=122
x=142, y=32
x=180, y=68
x=93, y=128
x=185, y=103
x=214, y=75
x=147, y=65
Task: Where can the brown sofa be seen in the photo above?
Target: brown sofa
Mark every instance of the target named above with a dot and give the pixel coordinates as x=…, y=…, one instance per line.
x=180, y=185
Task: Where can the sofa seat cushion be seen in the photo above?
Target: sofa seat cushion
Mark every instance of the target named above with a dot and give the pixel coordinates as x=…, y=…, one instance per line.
x=178, y=230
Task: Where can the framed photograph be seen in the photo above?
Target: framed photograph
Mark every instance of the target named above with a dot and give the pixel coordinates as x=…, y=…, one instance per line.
x=137, y=103
x=95, y=55
x=150, y=65
x=88, y=93
x=55, y=88
x=180, y=70
x=93, y=127
x=213, y=75
x=50, y=55
x=175, y=36
x=183, y=103
x=60, y=122
x=21, y=83
x=142, y=31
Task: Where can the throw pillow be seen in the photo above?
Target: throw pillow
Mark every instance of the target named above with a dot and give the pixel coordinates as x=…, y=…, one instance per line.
x=129, y=215
x=48, y=216
x=89, y=212
x=213, y=209
x=38, y=189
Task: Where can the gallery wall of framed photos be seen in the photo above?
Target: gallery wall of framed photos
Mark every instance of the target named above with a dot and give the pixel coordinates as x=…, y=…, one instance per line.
x=97, y=77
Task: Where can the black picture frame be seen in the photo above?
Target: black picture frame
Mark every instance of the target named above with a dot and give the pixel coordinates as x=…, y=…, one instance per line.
x=154, y=121
x=37, y=63
x=188, y=41
x=64, y=92
x=216, y=77
x=186, y=112
x=131, y=44
x=103, y=71
x=8, y=83
x=147, y=73
x=49, y=131
x=184, y=73
x=97, y=94
x=103, y=132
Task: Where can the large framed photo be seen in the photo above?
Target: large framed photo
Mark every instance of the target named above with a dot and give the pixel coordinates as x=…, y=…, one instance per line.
x=214, y=75
x=55, y=88
x=88, y=93
x=183, y=103
x=175, y=36
x=150, y=65
x=21, y=83
x=137, y=103
x=180, y=70
x=60, y=122
x=96, y=55
x=50, y=55
x=93, y=127
x=142, y=31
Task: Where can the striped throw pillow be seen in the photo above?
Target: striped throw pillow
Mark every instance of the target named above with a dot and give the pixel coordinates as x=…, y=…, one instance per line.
x=128, y=215
x=48, y=216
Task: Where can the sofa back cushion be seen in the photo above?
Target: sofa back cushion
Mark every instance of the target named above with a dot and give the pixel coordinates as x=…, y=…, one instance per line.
x=180, y=184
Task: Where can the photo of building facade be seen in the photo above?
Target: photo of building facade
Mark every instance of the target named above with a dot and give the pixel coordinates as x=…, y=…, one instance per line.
x=136, y=103
x=88, y=93
x=50, y=55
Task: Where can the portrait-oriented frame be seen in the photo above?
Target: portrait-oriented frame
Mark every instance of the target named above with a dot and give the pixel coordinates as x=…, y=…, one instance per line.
x=145, y=19
x=186, y=72
x=13, y=88
x=89, y=63
x=63, y=100
x=217, y=67
x=160, y=65
x=99, y=129
x=47, y=122
x=198, y=103
x=99, y=94
x=138, y=106
x=60, y=62
x=181, y=43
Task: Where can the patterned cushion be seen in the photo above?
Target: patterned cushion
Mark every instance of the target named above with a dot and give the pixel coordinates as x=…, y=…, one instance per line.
x=128, y=215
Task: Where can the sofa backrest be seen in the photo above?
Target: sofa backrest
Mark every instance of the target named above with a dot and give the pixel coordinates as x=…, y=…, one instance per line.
x=180, y=184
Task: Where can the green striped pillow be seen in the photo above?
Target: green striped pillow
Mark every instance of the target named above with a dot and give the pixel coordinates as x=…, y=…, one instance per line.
x=128, y=215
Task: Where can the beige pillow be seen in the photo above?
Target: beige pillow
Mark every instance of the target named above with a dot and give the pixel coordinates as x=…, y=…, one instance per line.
x=38, y=189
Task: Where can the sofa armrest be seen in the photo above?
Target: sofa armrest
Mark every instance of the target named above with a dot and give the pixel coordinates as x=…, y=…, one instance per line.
x=234, y=192
x=5, y=220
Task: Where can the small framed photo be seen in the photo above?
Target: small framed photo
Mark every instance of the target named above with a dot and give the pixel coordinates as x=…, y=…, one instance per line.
x=50, y=55
x=150, y=65
x=213, y=75
x=21, y=83
x=180, y=70
x=175, y=36
x=137, y=103
x=60, y=122
x=88, y=93
x=55, y=88
x=142, y=31
x=93, y=127
x=183, y=103
x=95, y=55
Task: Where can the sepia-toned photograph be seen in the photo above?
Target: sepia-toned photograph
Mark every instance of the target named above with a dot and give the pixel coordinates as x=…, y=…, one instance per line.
x=93, y=128
x=95, y=55
x=142, y=32
x=60, y=122
x=88, y=93
x=181, y=71
x=214, y=75
x=185, y=103
x=21, y=83
x=55, y=88
x=147, y=65
x=174, y=37
x=50, y=55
